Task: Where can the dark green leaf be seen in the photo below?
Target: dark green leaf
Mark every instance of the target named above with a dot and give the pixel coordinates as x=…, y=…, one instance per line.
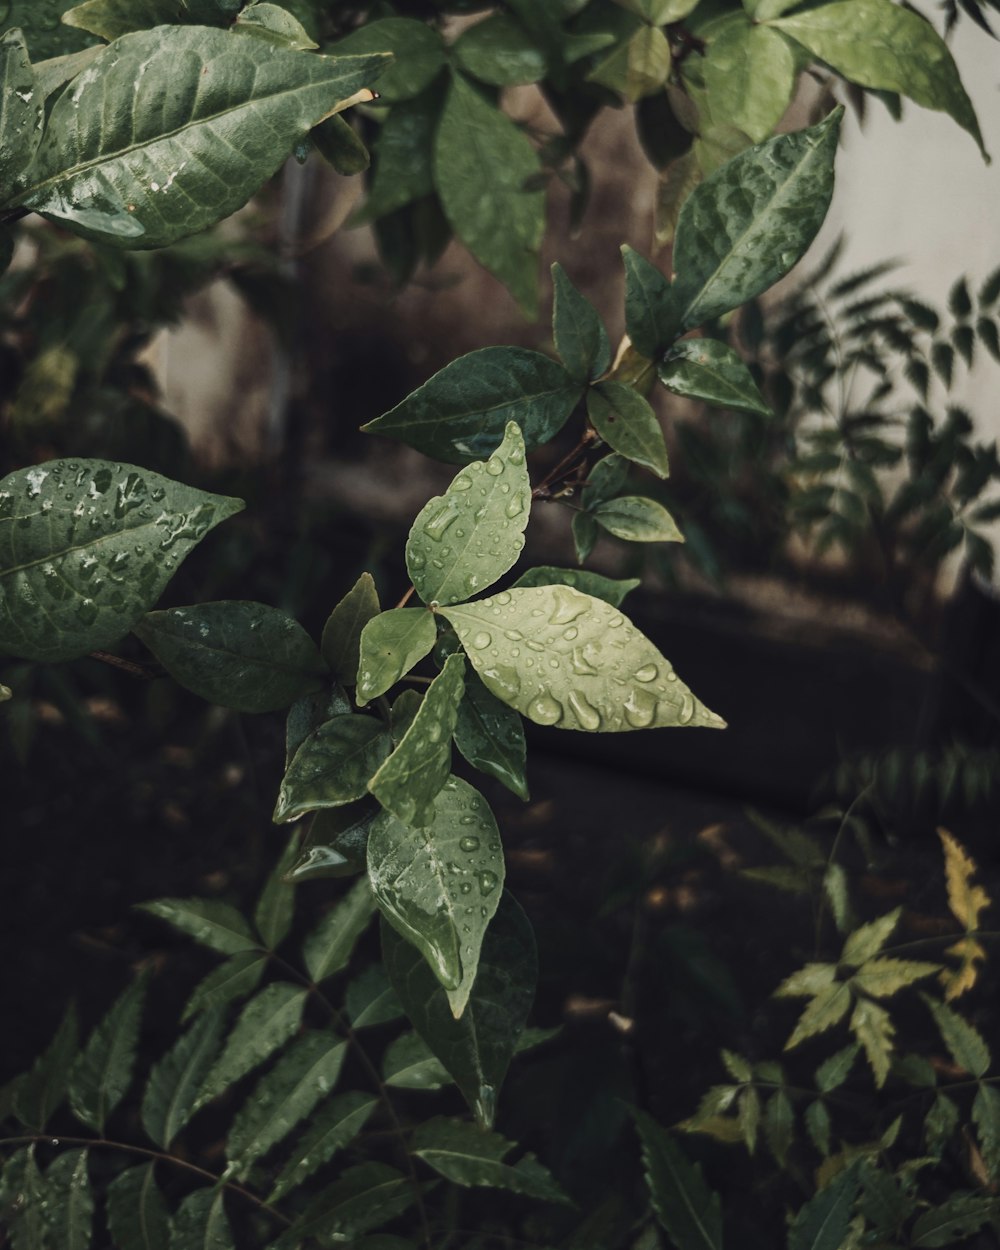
x=822, y=1224
x=461, y=414
x=391, y=643
x=40, y=1091
x=172, y=1089
x=476, y=1049
x=22, y=110
x=103, y=1070
x=238, y=976
x=276, y=905
x=490, y=736
x=341, y=645
x=403, y=158
x=779, y=1126
x=201, y=1222
x=69, y=1206
x=627, y=423
x=308, y=713
x=954, y=1220
x=417, y=50
x=986, y=1114
x=989, y=336
x=965, y=1043
x=336, y=140
x=22, y=1202
x=817, y=1122
x=137, y=1215
x=365, y=1197
x=109, y=19
x=265, y=1024
x=328, y=948
x=606, y=480
x=333, y=766
x=989, y=292
x=685, y=1206
x=86, y=548
x=440, y=886
x=499, y=51
x=650, y=318
x=45, y=33
x=580, y=337
x=465, y=1155
x=408, y=1063
x=404, y=709
x=336, y=843
x=711, y=371
x=636, y=519
x=209, y=921
x=237, y=654
x=585, y=534
x=610, y=589
x=371, y=1000
x=333, y=1127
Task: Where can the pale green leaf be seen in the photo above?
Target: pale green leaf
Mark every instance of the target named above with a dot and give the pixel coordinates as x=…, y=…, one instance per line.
x=69, y=1206
x=689, y=1211
x=465, y=1155
x=477, y=1048
x=750, y=75
x=274, y=24
x=748, y=223
x=490, y=735
x=371, y=1000
x=265, y=1024
x=636, y=519
x=828, y=1008
x=823, y=1222
x=835, y=888
x=140, y=151
x=276, y=905
x=364, y=1198
x=639, y=66
x=137, y=1214
x=627, y=423
x=884, y=977
x=567, y=659
x=22, y=111
x=737, y=1067
x=304, y=1075
x=209, y=921
x=499, y=51
x=172, y=1090
x=833, y=1072
x=333, y=766
x=462, y=541
x=580, y=337
x=404, y=709
x=865, y=943
x=201, y=1223
x=334, y=1126
x=748, y=1117
x=986, y=1116
x=341, y=644
x=103, y=1070
x=482, y=163
x=955, y=1220
x=40, y=1091
x=611, y=590
x=409, y=1063
x=886, y=47
x=462, y=412
x=440, y=886
x=873, y=1028
x=409, y=781
x=328, y=948
x=236, y=978
x=649, y=310
x=86, y=548
x=965, y=1043
x=391, y=643
x=711, y=371
x=242, y=655
x=418, y=53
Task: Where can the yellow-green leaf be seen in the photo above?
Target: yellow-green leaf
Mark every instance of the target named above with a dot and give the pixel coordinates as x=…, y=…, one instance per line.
x=864, y=943
x=883, y=977
x=873, y=1029
x=391, y=643
x=828, y=1008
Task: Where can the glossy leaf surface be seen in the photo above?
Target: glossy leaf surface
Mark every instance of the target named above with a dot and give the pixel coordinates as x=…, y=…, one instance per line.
x=689, y=1211
x=391, y=643
x=440, y=886
x=564, y=658
x=417, y=51
x=649, y=309
x=103, y=1071
x=211, y=922
x=334, y=1126
x=172, y=1090
x=87, y=547
x=137, y=1213
x=328, y=948
x=333, y=766
x=461, y=413
x=341, y=644
x=580, y=337
x=242, y=655
x=611, y=590
x=408, y=1063
x=364, y=1198
x=711, y=371
x=637, y=519
x=490, y=736
x=462, y=541
x=201, y=1223
x=22, y=110
x=627, y=423
x=237, y=977
x=465, y=1155
x=264, y=1024
x=70, y=1201
x=477, y=1048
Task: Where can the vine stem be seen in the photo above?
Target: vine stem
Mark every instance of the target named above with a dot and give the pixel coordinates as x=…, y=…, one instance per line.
x=157, y=1155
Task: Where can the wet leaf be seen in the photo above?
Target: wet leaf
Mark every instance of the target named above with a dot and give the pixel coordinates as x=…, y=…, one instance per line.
x=264, y=1025
x=308, y=713
x=22, y=110
x=611, y=590
x=103, y=1070
x=408, y=783
x=242, y=655
x=336, y=843
x=171, y=1093
x=69, y=1208
x=711, y=371
x=585, y=533
x=440, y=886
x=417, y=51
x=371, y=1000
x=461, y=414
x=404, y=709
x=341, y=644
x=689, y=1211
x=137, y=1214
x=328, y=948
x=334, y=1126
x=580, y=337
x=211, y=922
x=409, y=1063
x=564, y=658
x=490, y=736
x=477, y=1048
x=649, y=310
x=465, y=1155
x=201, y=1223
x=333, y=766
x=391, y=643
x=273, y=914
x=44, y=32
x=87, y=547
x=628, y=424
x=236, y=978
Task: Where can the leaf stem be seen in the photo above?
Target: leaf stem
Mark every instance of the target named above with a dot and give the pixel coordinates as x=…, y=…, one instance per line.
x=146, y=672
x=541, y=491
x=407, y=597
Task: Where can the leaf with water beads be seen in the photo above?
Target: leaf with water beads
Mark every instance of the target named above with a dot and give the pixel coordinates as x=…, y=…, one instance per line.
x=564, y=658
x=334, y=1126
x=391, y=643
x=612, y=590
x=333, y=766
x=462, y=541
x=711, y=371
x=491, y=736
x=465, y=1155
x=21, y=107
x=137, y=1213
x=87, y=547
x=439, y=887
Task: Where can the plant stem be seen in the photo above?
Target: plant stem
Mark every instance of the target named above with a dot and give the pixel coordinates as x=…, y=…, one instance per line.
x=406, y=598
x=127, y=666
x=541, y=491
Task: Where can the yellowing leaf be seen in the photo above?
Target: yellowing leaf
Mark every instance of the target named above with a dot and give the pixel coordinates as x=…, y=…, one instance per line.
x=812, y=979
x=883, y=977
x=957, y=980
x=965, y=899
x=824, y=1011
x=873, y=1029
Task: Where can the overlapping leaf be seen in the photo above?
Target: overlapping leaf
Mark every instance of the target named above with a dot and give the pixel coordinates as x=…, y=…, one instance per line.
x=580, y=337
x=341, y=643
x=711, y=371
x=137, y=1213
x=333, y=766
x=103, y=1070
x=627, y=423
x=172, y=1090
x=328, y=948
x=611, y=590
x=265, y=1023
x=465, y=1155
x=391, y=643
x=685, y=1206
x=490, y=735
x=333, y=1127
x=21, y=110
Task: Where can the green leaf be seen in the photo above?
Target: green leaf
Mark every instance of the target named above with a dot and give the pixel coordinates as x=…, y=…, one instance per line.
x=209, y=921
x=103, y=1070
x=22, y=1202
x=465, y=1155
x=482, y=165
x=499, y=51
x=364, y=1198
x=69, y=1206
x=885, y=47
x=408, y=783
x=462, y=541
x=833, y=1072
x=824, y=1011
x=264, y=1025
x=954, y=1220
x=140, y=150
x=336, y=140
x=242, y=655
x=639, y=66
x=649, y=312
x=22, y=110
x=822, y=1224
x=872, y=1027
x=817, y=1121
x=812, y=979
x=490, y=736
x=606, y=480
x=276, y=905
x=404, y=709
x=336, y=843
x=333, y=1127
x=403, y=158
x=965, y=1043
x=711, y=371
x=884, y=977
x=306, y=1073
x=171, y=1093
x=40, y=1091
x=328, y=948
x=440, y=886
x=461, y=413
x=86, y=548
x=418, y=53
x=637, y=520
x=137, y=1214
x=201, y=1222
x=110, y=19
x=865, y=943
x=585, y=533
x=746, y=226
x=408, y=1063
x=371, y=1000
x=477, y=1048
x=689, y=1211
x=333, y=766
x=750, y=75
x=580, y=337
x=578, y=663
x=341, y=644
x=611, y=590
x=779, y=1126
x=238, y=976
x=628, y=424
x=274, y=24
x=308, y=713
x=46, y=35
x=986, y=1115
x=391, y=643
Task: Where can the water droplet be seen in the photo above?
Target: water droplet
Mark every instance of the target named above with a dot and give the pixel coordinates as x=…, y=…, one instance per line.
x=416, y=558
x=469, y=843
x=640, y=709
x=545, y=710
x=515, y=506
x=615, y=622
x=436, y=526
x=513, y=634
x=466, y=887
x=569, y=605
x=482, y=640
x=571, y=633
x=581, y=663
x=505, y=680
x=494, y=466
x=647, y=673
x=487, y=881
x=503, y=598
x=461, y=482
x=588, y=716
x=687, y=708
